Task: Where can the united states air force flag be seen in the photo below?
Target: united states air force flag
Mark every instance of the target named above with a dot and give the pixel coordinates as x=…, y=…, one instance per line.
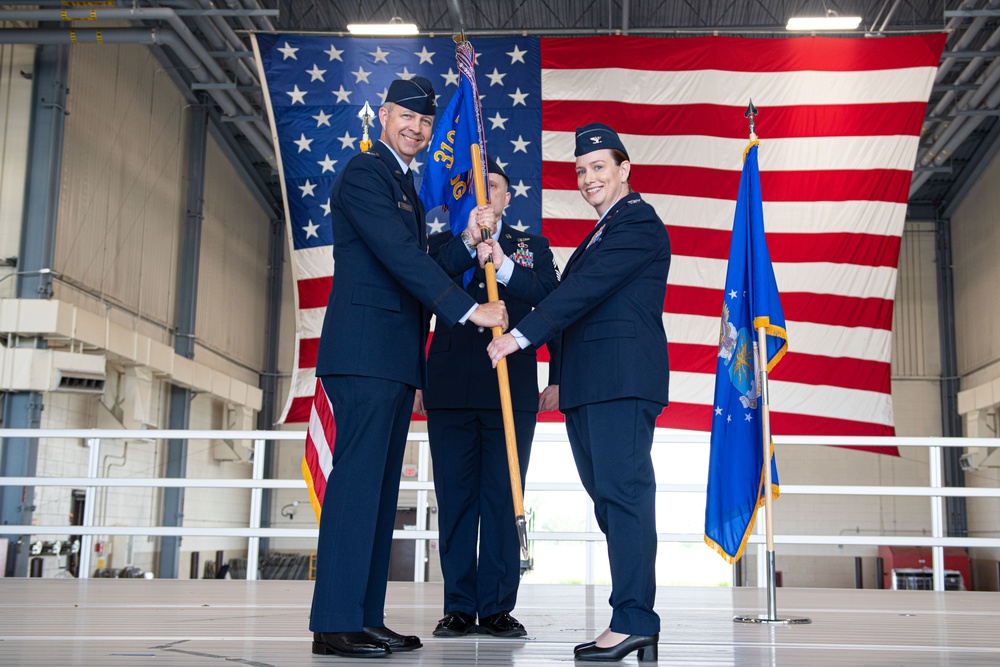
x=736, y=464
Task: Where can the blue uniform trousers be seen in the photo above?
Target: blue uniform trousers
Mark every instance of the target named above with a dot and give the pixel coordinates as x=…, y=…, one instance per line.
x=472, y=484
x=611, y=443
x=359, y=508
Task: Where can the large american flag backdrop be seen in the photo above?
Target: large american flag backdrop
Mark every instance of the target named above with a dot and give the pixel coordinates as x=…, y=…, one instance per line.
x=839, y=124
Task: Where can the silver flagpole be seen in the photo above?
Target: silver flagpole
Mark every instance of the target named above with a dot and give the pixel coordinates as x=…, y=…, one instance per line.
x=765, y=426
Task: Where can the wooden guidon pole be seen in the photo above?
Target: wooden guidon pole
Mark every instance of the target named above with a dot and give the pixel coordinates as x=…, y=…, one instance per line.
x=506, y=407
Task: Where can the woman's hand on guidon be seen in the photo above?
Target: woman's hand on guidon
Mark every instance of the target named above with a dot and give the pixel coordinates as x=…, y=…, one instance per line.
x=500, y=347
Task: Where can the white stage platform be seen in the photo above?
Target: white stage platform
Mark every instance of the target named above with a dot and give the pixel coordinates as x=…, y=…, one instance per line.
x=98, y=622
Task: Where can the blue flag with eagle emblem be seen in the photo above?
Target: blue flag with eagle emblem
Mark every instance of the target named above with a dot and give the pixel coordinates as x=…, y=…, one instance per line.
x=751, y=301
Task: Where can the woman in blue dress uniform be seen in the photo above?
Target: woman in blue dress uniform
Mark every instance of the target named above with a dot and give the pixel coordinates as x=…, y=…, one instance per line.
x=614, y=375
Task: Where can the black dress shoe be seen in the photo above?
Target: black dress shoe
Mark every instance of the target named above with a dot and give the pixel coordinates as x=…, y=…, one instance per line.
x=646, y=645
x=397, y=643
x=455, y=624
x=348, y=645
x=580, y=647
x=501, y=624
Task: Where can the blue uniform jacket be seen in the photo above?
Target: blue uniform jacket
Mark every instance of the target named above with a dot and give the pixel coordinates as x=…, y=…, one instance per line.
x=609, y=308
x=385, y=285
x=459, y=371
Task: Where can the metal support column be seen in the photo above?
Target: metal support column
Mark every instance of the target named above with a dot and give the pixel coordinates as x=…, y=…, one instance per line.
x=19, y=459
x=269, y=378
x=34, y=281
x=956, y=522
x=187, y=307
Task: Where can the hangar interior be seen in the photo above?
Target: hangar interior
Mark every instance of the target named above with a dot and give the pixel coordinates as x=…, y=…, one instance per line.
x=145, y=277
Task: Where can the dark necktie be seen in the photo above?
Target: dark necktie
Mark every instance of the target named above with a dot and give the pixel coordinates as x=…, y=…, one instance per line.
x=408, y=177
x=411, y=194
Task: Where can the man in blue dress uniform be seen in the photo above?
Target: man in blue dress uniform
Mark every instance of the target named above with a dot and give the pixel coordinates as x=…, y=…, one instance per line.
x=370, y=362
x=465, y=424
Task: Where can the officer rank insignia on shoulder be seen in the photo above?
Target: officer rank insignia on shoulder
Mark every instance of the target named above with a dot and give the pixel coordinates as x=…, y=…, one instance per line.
x=523, y=255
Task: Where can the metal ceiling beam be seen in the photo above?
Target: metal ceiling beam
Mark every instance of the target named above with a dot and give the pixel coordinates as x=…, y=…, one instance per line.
x=203, y=66
x=968, y=55
x=964, y=13
x=154, y=36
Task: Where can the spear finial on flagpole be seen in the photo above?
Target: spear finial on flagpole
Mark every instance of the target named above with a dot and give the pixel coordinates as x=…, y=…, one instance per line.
x=367, y=117
x=750, y=113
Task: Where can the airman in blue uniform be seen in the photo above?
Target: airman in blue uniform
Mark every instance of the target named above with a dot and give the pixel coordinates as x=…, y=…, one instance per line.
x=614, y=376
x=370, y=362
x=465, y=425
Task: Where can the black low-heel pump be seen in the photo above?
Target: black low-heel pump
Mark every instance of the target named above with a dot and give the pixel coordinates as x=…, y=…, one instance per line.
x=644, y=644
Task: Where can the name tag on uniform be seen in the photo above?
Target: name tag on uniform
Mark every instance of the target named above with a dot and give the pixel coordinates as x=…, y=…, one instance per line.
x=404, y=206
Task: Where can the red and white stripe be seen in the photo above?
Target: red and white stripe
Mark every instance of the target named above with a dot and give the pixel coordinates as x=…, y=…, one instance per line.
x=314, y=278
x=317, y=463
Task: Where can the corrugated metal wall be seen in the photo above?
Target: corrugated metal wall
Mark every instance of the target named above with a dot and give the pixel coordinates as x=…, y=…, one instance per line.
x=15, y=112
x=916, y=350
x=232, y=293
x=915, y=340
x=122, y=208
x=121, y=202
x=975, y=251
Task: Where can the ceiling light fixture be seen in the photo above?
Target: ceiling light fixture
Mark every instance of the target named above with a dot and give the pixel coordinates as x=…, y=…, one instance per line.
x=395, y=26
x=829, y=22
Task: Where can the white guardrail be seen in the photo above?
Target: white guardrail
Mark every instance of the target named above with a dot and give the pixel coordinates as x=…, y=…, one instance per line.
x=934, y=491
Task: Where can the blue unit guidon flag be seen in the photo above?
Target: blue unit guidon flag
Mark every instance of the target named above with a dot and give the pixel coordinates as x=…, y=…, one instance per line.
x=750, y=302
x=841, y=117
x=449, y=179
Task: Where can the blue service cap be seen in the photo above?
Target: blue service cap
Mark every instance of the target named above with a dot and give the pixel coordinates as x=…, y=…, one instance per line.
x=415, y=94
x=596, y=136
x=494, y=168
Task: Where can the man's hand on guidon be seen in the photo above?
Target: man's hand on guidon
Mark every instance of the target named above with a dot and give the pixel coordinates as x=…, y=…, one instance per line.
x=492, y=314
x=481, y=216
x=490, y=250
